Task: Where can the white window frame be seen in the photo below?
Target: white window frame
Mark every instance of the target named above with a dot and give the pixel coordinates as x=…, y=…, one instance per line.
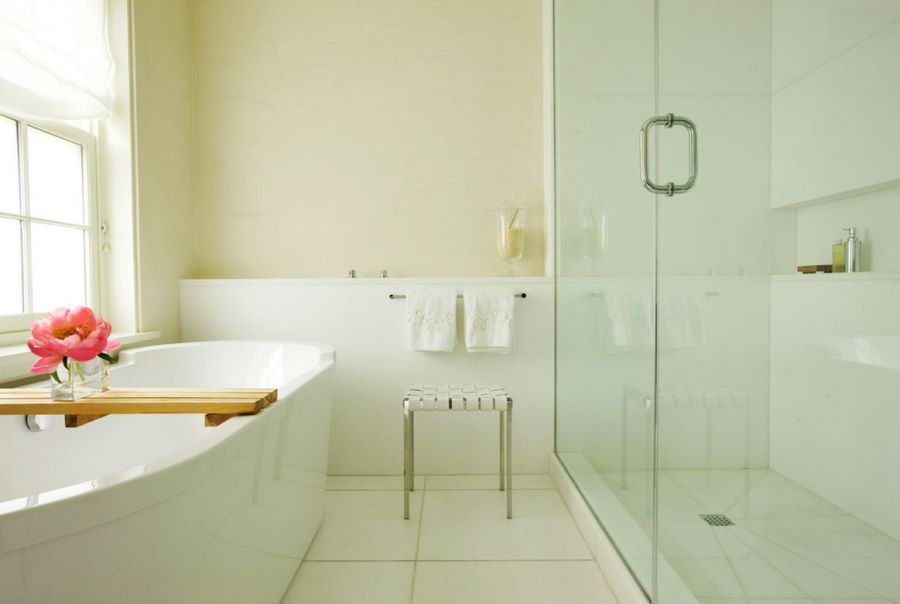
x=14, y=327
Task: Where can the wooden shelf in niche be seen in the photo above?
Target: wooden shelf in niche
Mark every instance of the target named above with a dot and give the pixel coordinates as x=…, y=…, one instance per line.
x=216, y=404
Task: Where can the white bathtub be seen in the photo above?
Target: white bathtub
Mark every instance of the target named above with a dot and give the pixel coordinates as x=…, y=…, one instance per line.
x=158, y=508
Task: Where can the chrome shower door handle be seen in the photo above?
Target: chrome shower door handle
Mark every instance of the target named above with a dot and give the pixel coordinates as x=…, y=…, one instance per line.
x=668, y=121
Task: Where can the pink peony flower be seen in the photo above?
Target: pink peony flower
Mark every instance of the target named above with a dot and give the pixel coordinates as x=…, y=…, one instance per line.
x=78, y=334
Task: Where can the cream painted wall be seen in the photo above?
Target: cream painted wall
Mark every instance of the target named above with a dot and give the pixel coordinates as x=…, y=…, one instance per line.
x=163, y=127
x=337, y=134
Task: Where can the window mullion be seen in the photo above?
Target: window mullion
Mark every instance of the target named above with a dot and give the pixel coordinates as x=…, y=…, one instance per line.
x=24, y=201
x=68, y=225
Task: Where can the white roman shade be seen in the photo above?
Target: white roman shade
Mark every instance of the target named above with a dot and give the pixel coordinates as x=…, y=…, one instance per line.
x=54, y=59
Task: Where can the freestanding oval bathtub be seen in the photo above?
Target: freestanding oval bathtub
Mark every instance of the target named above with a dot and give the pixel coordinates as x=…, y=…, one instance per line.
x=158, y=508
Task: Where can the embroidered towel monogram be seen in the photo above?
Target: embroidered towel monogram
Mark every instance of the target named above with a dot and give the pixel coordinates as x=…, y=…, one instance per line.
x=489, y=319
x=431, y=319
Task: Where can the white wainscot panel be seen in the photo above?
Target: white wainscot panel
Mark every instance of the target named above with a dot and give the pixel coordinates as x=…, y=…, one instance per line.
x=373, y=366
x=835, y=384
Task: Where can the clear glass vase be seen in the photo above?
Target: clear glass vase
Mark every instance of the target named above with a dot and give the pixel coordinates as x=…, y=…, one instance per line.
x=82, y=379
x=510, y=233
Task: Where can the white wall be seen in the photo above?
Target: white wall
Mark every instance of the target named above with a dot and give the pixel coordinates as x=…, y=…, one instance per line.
x=115, y=180
x=835, y=142
x=714, y=67
x=835, y=88
x=384, y=131
x=163, y=131
x=373, y=367
x=876, y=216
x=834, y=422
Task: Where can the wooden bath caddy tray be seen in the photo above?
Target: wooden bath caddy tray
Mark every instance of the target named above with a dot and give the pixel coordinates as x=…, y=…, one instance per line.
x=217, y=404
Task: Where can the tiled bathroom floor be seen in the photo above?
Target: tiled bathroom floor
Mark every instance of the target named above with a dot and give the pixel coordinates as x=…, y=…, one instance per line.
x=786, y=543
x=456, y=547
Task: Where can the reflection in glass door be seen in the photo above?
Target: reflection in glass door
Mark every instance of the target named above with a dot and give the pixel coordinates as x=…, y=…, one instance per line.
x=605, y=89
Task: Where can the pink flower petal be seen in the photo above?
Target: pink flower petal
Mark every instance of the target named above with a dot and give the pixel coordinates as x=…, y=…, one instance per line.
x=46, y=364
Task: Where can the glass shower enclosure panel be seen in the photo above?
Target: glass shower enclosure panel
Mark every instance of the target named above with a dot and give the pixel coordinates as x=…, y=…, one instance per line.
x=605, y=86
x=732, y=423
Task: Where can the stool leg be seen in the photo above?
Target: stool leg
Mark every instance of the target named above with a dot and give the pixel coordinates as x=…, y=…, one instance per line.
x=509, y=407
x=407, y=445
x=502, y=438
x=412, y=451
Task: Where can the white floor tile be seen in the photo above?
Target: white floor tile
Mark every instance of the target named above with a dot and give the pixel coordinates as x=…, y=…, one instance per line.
x=472, y=525
x=719, y=477
x=761, y=580
x=709, y=577
x=370, y=483
x=787, y=601
x=510, y=583
x=367, y=525
x=789, y=546
x=818, y=581
x=852, y=601
x=881, y=575
x=696, y=539
x=351, y=583
x=785, y=501
x=825, y=538
x=443, y=482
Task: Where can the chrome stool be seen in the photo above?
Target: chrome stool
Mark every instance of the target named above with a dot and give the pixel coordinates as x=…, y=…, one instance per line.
x=457, y=398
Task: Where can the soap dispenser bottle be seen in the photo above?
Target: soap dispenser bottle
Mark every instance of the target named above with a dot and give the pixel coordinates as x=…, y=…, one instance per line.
x=852, y=252
x=837, y=257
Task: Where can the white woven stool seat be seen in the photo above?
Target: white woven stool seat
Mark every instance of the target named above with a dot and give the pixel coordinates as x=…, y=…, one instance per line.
x=453, y=397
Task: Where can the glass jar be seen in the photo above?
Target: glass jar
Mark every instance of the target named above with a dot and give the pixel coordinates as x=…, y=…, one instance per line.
x=510, y=233
x=80, y=379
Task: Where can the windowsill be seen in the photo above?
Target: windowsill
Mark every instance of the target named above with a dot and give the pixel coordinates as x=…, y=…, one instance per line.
x=15, y=361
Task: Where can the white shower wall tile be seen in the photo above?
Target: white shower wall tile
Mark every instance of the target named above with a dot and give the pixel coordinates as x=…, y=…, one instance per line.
x=614, y=37
x=806, y=34
x=708, y=47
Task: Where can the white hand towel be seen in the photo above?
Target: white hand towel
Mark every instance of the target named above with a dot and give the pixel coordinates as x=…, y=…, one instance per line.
x=489, y=320
x=679, y=321
x=630, y=313
x=431, y=319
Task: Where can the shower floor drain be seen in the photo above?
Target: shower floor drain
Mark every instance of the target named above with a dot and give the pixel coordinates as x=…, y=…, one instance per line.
x=717, y=519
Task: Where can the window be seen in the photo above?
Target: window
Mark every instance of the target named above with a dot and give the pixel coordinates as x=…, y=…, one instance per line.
x=48, y=220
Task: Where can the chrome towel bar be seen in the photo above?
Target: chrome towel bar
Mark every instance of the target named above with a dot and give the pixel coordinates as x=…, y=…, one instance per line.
x=402, y=296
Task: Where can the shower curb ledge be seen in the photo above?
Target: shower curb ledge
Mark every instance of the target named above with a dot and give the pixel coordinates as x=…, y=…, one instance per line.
x=617, y=574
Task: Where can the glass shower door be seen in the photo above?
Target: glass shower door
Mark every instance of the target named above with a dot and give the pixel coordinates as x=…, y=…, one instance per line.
x=772, y=479
x=716, y=251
